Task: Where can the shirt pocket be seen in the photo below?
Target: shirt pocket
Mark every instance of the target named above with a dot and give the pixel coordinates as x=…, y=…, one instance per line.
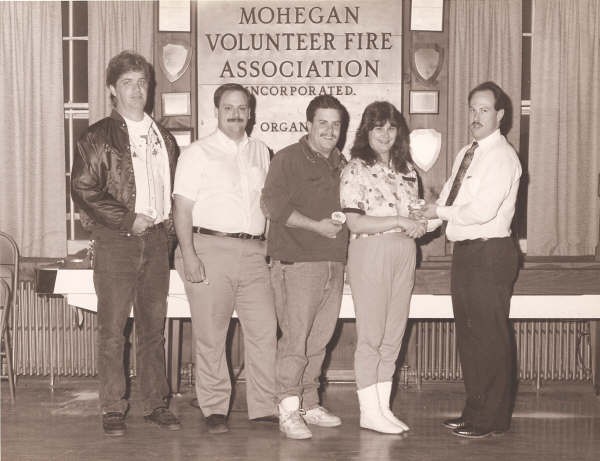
x=256, y=178
x=471, y=184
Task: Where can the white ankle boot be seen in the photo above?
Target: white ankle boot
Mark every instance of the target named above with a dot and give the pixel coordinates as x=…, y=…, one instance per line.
x=371, y=416
x=383, y=393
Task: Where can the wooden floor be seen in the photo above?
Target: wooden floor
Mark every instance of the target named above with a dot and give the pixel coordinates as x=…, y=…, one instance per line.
x=560, y=422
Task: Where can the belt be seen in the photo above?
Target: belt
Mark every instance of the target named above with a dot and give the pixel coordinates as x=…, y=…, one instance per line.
x=478, y=240
x=235, y=235
x=146, y=231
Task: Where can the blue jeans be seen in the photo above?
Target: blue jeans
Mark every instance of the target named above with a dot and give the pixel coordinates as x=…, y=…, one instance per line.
x=308, y=296
x=131, y=270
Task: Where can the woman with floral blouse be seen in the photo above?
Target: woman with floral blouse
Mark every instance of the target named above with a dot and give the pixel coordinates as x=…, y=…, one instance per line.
x=377, y=186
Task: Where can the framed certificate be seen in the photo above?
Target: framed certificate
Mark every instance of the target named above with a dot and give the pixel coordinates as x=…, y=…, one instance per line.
x=176, y=104
x=427, y=15
x=424, y=102
x=174, y=16
x=183, y=137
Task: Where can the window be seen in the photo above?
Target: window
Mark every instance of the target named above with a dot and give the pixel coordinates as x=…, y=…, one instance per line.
x=520, y=221
x=75, y=51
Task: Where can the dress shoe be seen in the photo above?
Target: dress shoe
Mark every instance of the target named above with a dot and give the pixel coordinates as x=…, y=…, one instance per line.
x=217, y=424
x=113, y=423
x=164, y=419
x=471, y=432
x=274, y=419
x=455, y=423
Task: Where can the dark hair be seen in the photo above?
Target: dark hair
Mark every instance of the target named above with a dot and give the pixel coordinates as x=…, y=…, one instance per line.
x=219, y=92
x=501, y=102
x=127, y=61
x=377, y=114
x=324, y=101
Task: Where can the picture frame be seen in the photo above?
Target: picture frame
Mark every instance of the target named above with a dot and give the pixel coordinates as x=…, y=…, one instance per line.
x=424, y=101
x=176, y=104
x=183, y=136
x=427, y=15
x=174, y=16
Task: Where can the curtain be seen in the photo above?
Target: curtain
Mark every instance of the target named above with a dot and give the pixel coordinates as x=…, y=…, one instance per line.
x=114, y=26
x=564, y=141
x=32, y=159
x=485, y=38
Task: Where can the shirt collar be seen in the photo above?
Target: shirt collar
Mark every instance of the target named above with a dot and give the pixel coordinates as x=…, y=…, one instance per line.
x=335, y=158
x=226, y=139
x=489, y=139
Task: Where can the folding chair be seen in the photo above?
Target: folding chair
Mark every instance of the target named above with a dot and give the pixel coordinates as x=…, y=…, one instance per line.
x=9, y=283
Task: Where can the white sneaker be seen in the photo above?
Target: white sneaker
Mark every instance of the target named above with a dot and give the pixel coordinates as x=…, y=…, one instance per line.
x=293, y=426
x=320, y=416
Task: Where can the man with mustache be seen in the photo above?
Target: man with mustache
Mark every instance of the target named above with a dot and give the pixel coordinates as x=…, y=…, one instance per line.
x=221, y=258
x=308, y=252
x=478, y=203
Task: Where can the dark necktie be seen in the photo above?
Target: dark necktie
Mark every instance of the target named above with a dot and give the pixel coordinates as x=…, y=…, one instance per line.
x=464, y=165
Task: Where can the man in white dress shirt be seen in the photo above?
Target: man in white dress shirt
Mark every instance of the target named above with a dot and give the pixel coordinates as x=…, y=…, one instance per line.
x=478, y=203
x=221, y=258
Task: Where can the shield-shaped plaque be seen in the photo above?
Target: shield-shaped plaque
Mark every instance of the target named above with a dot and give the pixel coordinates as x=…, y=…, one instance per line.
x=175, y=59
x=425, y=147
x=427, y=61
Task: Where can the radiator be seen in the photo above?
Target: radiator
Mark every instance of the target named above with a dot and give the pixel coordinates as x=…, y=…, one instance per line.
x=556, y=350
x=53, y=338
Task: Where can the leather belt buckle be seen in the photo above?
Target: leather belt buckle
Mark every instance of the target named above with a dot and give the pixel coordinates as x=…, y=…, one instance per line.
x=237, y=235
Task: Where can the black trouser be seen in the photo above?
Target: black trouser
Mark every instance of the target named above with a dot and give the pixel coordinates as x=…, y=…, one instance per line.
x=483, y=274
x=131, y=270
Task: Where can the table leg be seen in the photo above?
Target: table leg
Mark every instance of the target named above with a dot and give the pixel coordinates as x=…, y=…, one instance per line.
x=173, y=353
x=595, y=346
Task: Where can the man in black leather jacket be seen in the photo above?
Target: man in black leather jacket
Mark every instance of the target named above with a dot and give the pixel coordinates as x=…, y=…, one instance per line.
x=122, y=181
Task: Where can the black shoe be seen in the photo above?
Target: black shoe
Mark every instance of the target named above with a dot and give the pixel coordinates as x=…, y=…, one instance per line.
x=113, y=423
x=455, y=423
x=266, y=419
x=163, y=417
x=471, y=432
x=217, y=424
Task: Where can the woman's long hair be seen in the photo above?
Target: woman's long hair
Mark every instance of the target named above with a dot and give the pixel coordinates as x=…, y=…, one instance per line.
x=377, y=114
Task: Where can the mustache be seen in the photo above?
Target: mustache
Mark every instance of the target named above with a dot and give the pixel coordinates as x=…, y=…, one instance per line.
x=235, y=120
x=476, y=124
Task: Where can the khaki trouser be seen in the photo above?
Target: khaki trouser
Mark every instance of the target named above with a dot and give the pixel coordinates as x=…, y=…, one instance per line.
x=308, y=297
x=381, y=271
x=238, y=279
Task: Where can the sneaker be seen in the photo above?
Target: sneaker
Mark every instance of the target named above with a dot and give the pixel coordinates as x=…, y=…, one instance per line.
x=320, y=416
x=113, y=423
x=163, y=417
x=293, y=426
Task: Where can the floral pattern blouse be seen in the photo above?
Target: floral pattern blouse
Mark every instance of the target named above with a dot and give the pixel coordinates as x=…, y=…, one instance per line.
x=377, y=190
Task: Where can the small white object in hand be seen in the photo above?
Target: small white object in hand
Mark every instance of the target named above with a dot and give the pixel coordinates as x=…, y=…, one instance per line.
x=151, y=212
x=338, y=216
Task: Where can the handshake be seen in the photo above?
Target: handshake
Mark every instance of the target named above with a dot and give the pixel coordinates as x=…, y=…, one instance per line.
x=420, y=210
